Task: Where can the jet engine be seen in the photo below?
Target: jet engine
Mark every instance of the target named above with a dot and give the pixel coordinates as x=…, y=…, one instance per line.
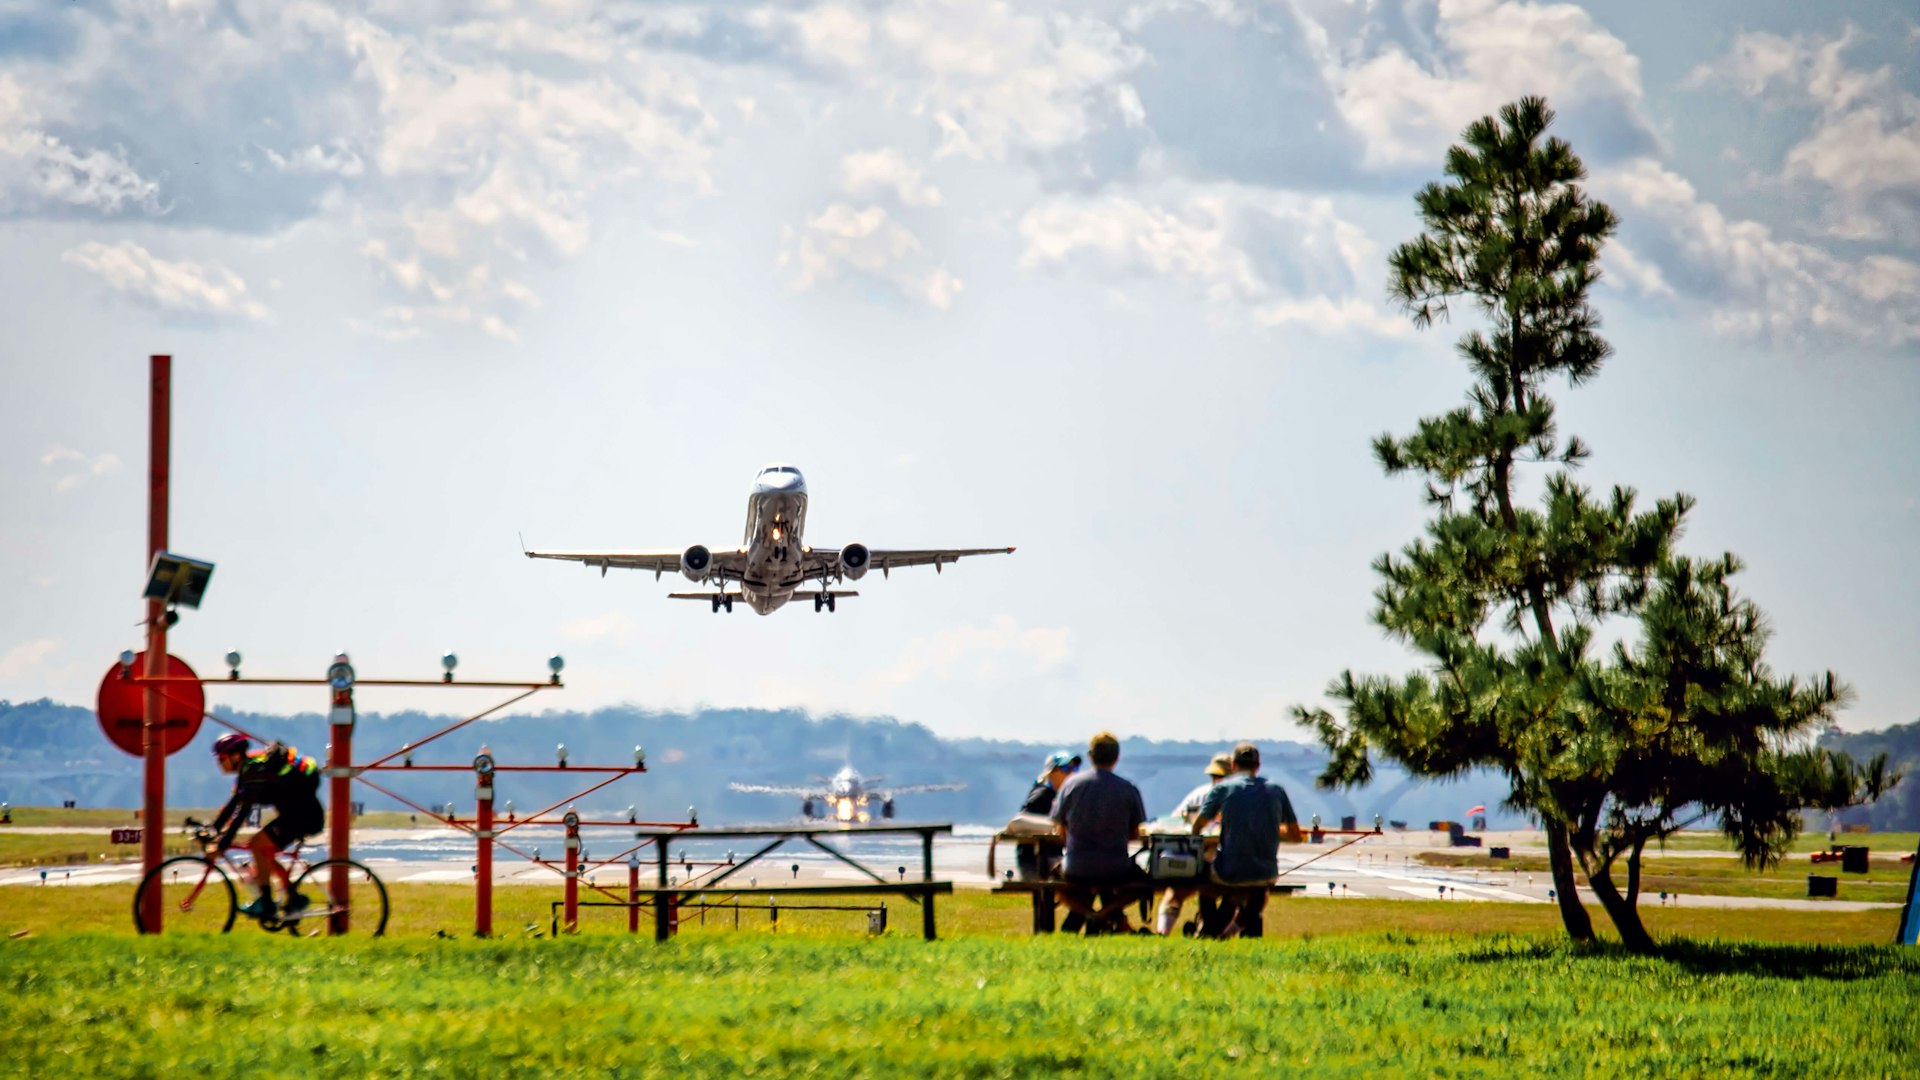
x=695, y=562
x=854, y=560
x=886, y=809
x=806, y=810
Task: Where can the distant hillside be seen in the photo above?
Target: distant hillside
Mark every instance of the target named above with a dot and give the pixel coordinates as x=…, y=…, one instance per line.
x=50, y=753
x=1899, y=811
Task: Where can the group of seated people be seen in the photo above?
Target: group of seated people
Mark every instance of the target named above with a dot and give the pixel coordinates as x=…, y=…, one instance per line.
x=1098, y=815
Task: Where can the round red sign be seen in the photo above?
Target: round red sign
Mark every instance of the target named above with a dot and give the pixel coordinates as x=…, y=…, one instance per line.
x=122, y=706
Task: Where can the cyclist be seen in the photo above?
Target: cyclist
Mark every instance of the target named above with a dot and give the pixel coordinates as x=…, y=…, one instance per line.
x=278, y=777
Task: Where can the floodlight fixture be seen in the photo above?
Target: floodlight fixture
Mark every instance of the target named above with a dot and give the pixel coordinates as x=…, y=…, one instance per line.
x=176, y=580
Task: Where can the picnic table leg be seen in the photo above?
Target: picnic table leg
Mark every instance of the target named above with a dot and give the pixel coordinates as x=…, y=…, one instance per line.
x=1043, y=902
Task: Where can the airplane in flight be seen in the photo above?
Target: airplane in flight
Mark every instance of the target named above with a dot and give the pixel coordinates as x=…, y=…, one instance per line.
x=772, y=564
x=844, y=796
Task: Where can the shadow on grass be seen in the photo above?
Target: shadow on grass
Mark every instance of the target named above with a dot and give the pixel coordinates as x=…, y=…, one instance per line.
x=1832, y=963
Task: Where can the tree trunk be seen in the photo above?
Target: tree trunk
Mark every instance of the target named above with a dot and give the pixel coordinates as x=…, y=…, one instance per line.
x=1624, y=913
x=1579, y=924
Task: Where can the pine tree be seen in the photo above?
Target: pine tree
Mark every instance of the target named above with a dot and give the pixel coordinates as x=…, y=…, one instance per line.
x=1504, y=599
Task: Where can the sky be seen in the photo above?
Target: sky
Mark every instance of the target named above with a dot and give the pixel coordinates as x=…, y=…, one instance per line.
x=1103, y=281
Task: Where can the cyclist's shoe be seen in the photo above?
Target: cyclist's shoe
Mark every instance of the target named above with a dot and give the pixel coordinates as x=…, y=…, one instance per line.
x=261, y=907
x=296, y=905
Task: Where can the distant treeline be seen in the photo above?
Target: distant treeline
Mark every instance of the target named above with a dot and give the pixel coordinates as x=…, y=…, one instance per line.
x=50, y=753
x=1899, y=810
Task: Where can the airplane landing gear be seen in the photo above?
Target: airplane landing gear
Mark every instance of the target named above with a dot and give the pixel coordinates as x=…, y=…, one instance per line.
x=822, y=600
x=722, y=600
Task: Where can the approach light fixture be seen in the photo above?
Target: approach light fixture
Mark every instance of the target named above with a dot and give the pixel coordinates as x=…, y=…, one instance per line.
x=176, y=580
x=233, y=663
x=560, y=754
x=639, y=756
x=693, y=816
x=447, y=664
x=554, y=664
x=127, y=657
x=340, y=672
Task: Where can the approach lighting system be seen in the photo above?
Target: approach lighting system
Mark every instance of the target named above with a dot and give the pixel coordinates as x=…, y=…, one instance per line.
x=554, y=664
x=340, y=672
x=560, y=754
x=127, y=657
x=449, y=662
x=176, y=580
x=639, y=756
x=233, y=663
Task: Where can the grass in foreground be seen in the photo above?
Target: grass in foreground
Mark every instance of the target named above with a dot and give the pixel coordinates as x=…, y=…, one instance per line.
x=712, y=1005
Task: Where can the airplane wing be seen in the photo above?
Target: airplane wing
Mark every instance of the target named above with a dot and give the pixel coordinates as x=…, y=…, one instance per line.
x=885, y=559
x=727, y=562
x=776, y=789
x=917, y=789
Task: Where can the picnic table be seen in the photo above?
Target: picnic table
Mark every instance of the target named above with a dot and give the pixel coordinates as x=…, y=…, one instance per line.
x=919, y=891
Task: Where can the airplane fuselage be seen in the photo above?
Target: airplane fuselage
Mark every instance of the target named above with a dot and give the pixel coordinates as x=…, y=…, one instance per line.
x=776, y=522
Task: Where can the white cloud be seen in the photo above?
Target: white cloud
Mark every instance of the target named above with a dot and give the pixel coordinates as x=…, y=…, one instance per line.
x=75, y=468
x=38, y=170
x=336, y=159
x=188, y=288
x=1276, y=258
x=1000, y=649
x=840, y=239
x=994, y=77
x=614, y=624
x=25, y=658
x=1864, y=149
x=1407, y=100
x=1758, y=284
x=871, y=171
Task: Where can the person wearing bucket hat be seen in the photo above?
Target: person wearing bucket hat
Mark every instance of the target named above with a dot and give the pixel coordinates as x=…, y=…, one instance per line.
x=1053, y=772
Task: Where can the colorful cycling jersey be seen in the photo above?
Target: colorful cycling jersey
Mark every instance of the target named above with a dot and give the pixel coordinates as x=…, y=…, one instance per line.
x=276, y=776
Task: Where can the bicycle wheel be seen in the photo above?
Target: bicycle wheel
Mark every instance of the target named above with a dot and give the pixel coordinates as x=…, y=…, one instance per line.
x=361, y=910
x=196, y=897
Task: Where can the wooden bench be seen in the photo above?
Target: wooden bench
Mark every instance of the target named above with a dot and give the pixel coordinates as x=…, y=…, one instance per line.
x=1045, y=894
x=920, y=892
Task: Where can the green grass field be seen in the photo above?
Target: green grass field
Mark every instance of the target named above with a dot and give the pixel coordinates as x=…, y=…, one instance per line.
x=1339, y=988
x=1706, y=875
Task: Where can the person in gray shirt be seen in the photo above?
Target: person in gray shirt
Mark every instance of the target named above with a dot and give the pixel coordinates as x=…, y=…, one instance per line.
x=1100, y=814
x=1254, y=815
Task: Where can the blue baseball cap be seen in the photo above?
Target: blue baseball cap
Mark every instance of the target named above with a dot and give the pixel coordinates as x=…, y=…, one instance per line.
x=1060, y=759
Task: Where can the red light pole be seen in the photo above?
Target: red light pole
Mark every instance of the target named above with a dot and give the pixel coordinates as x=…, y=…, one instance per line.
x=340, y=784
x=483, y=858
x=153, y=803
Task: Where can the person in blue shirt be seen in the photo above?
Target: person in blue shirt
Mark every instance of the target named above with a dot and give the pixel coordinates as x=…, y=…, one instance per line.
x=1099, y=815
x=1254, y=817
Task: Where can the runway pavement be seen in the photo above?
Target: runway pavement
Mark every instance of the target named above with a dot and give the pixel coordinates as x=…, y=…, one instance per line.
x=1379, y=867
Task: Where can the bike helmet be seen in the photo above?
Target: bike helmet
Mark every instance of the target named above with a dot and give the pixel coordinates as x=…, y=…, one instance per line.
x=231, y=743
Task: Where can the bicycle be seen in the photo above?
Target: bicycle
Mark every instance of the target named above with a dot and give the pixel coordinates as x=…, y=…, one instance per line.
x=197, y=894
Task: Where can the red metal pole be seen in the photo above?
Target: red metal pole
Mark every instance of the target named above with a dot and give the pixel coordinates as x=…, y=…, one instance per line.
x=483, y=858
x=153, y=803
x=633, y=895
x=573, y=872
x=340, y=795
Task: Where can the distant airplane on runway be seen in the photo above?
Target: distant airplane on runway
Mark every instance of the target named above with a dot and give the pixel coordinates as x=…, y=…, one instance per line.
x=772, y=563
x=844, y=797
